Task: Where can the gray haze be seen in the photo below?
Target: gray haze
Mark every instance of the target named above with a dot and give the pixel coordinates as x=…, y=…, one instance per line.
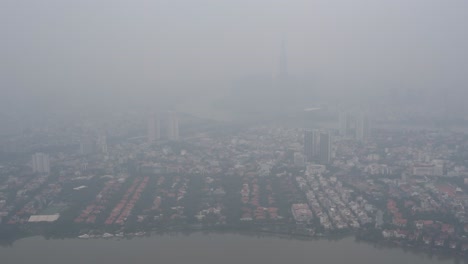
x=70, y=55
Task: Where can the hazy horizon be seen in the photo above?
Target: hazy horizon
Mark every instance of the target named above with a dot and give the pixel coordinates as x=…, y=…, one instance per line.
x=89, y=54
x=339, y=120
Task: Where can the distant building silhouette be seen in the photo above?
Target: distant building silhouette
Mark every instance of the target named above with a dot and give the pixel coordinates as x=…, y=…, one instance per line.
x=172, y=126
x=41, y=163
x=102, y=142
x=317, y=146
x=354, y=125
x=324, y=156
x=163, y=127
x=344, y=123
x=362, y=127
x=154, y=128
x=311, y=144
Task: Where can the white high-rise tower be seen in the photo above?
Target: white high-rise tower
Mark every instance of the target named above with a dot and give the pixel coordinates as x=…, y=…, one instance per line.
x=41, y=163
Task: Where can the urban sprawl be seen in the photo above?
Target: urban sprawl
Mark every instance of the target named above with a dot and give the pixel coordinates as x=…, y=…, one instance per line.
x=408, y=187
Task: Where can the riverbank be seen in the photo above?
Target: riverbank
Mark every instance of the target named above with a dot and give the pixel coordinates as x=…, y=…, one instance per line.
x=184, y=231
x=210, y=247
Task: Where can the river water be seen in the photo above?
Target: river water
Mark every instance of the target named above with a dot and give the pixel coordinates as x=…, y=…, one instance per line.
x=207, y=249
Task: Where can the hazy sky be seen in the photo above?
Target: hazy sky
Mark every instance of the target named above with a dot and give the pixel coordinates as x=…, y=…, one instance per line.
x=101, y=50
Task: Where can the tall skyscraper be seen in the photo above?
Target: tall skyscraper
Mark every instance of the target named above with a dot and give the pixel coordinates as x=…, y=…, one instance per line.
x=172, y=126
x=362, y=127
x=154, y=128
x=311, y=144
x=41, y=163
x=325, y=148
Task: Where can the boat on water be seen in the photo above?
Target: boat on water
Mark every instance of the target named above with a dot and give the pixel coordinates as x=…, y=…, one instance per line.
x=107, y=235
x=85, y=236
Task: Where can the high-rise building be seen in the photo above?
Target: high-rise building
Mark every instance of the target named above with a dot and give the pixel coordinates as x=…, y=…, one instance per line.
x=355, y=124
x=345, y=123
x=102, y=142
x=362, y=127
x=41, y=163
x=324, y=156
x=154, y=128
x=311, y=141
x=172, y=126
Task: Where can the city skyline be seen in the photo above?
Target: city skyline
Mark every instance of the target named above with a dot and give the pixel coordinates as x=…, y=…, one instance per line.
x=339, y=125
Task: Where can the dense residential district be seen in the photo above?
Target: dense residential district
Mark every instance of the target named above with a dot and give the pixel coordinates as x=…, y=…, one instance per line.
x=408, y=187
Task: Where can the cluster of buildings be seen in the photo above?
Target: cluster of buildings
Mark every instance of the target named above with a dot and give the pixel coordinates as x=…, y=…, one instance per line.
x=408, y=185
x=252, y=207
x=404, y=153
x=317, y=146
x=334, y=205
x=213, y=209
x=102, y=201
x=418, y=210
x=122, y=210
x=93, y=144
x=354, y=125
x=435, y=168
x=319, y=143
x=22, y=197
x=301, y=213
x=163, y=126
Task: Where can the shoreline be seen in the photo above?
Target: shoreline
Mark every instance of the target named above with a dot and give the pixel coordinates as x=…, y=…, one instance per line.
x=448, y=253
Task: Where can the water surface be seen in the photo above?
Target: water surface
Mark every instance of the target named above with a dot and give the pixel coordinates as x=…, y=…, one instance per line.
x=207, y=249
